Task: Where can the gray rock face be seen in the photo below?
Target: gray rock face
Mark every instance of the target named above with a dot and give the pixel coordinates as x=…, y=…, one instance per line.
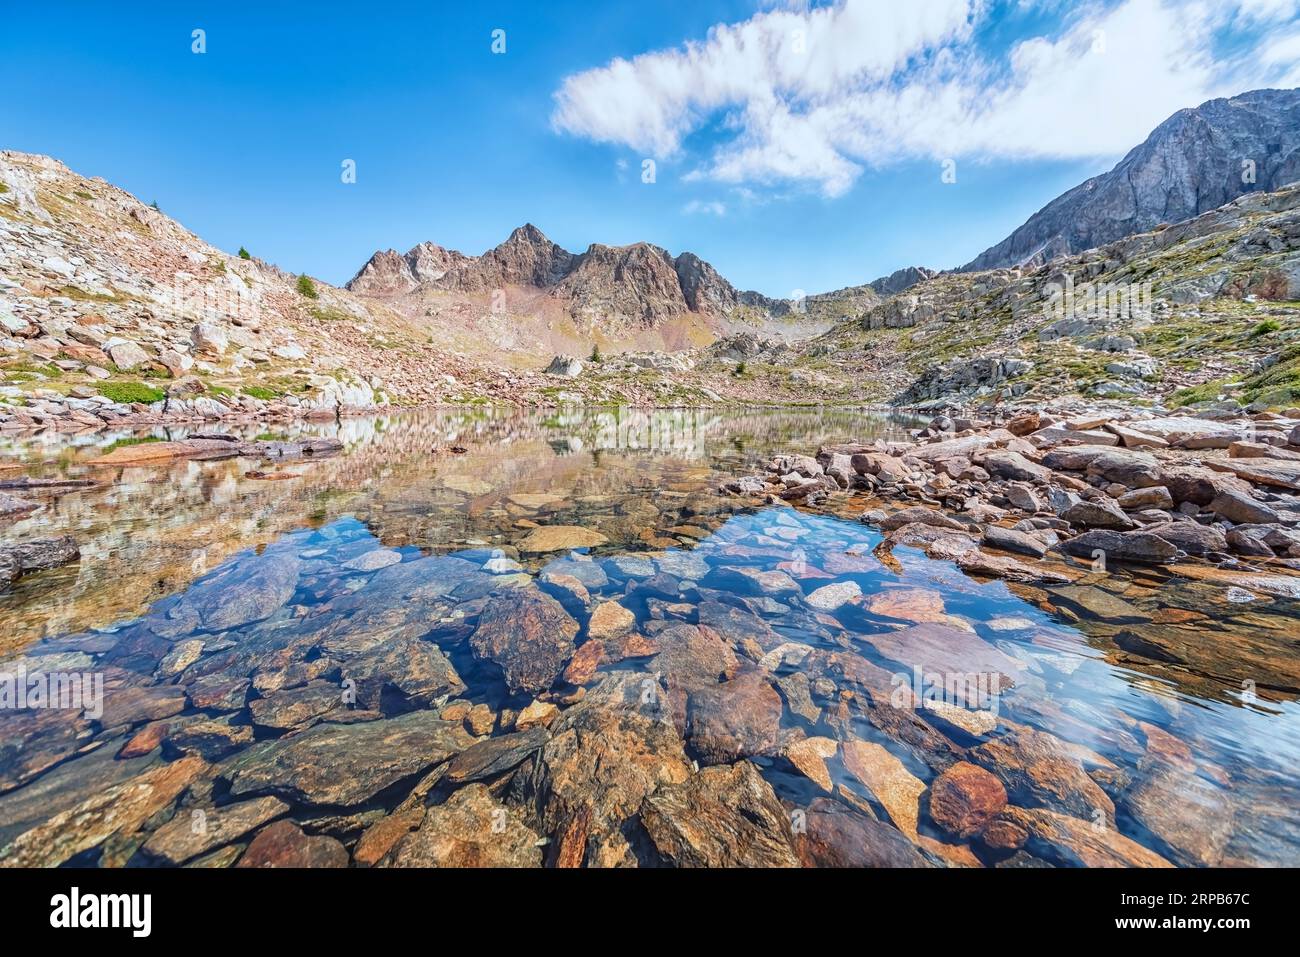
x=566, y=366
x=962, y=376
x=34, y=556
x=1121, y=546
x=1191, y=163
x=901, y=279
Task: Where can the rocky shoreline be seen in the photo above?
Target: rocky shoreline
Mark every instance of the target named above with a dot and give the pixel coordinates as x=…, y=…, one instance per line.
x=1028, y=496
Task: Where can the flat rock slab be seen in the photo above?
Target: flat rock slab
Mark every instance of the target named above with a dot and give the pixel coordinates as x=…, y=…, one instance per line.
x=197, y=831
x=346, y=764
x=1280, y=473
x=495, y=756
x=555, y=538
x=243, y=591
x=944, y=650
x=120, y=809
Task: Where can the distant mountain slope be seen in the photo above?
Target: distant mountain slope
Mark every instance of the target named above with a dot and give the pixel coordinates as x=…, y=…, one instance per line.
x=1191, y=163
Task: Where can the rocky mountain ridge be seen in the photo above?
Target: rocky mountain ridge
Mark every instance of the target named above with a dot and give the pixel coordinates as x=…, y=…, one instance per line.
x=1195, y=161
x=640, y=283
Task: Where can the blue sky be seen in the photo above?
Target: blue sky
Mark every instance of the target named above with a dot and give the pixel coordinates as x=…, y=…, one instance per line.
x=797, y=146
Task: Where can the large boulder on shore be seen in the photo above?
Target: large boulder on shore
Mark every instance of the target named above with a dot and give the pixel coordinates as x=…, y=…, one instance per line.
x=1121, y=547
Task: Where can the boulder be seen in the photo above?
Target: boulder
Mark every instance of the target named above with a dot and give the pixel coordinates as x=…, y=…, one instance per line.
x=734, y=719
x=1192, y=537
x=1241, y=509
x=345, y=764
x=209, y=339
x=1098, y=514
x=127, y=355
x=1121, y=547
x=528, y=635
x=565, y=366
x=470, y=829
x=721, y=817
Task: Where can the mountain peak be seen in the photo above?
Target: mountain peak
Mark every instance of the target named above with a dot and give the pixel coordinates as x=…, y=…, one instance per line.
x=1193, y=162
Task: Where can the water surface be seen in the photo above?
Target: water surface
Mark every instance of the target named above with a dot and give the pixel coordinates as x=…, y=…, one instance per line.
x=1174, y=707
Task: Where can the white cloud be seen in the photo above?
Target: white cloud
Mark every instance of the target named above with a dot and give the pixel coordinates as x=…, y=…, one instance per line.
x=707, y=207
x=816, y=95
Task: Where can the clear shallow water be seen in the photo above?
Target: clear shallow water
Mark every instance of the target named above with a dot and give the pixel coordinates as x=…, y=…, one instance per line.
x=196, y=580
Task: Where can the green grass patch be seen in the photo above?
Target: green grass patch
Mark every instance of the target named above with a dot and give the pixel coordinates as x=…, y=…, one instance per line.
x=222, y=391
x=1205, y=392
x=261, y=392
x=1264, y=328
x=131, y=392
x=328, y=314
x=126, y=443
x=72, y=292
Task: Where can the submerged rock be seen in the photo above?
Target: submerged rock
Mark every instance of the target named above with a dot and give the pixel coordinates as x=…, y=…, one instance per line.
x=243, y=591
x=1068, y=840
x=1037, y=770
x=193, y=832
x=345, y=764
x=833, y=835
x=897, y=789
x=555, y=538
x=120, y=809
x=528, y=635
x=470, y=829
x=721, y=817
x=495, y=756
x=1189, y=815
x=734, y=719
x=606, y=754
x=965, y=798
x=283, y=844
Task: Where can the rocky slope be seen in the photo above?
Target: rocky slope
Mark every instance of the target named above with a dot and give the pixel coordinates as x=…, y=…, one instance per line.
x=1191, y=163
x=1203, y=310
x=113, y=313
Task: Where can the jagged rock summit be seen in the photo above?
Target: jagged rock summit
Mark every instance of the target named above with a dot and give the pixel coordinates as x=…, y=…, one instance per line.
x=640, y=282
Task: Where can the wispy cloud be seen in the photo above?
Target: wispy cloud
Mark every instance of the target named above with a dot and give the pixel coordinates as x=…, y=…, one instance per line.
x=816, y=95
x=707, y=207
